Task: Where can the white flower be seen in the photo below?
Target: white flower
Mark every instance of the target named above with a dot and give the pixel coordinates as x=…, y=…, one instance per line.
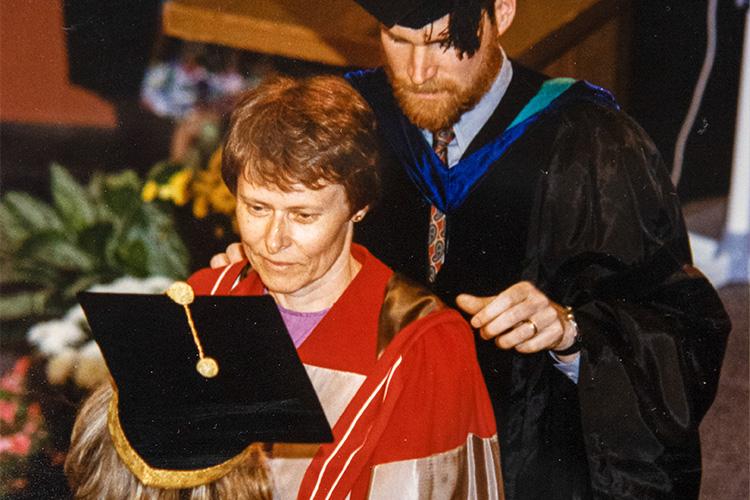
x=75, y=315
x=58, y=339
x=51, y=337
x=157, y=284
x=91, y=370
x=129, y=284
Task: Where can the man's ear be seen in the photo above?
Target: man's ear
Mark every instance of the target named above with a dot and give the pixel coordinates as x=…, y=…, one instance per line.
x=505, y=11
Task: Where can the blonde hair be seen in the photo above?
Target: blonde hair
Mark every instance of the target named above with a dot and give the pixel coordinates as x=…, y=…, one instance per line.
x=95, y=471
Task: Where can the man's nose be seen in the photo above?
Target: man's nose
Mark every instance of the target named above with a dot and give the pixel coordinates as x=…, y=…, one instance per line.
x=421, y=66
x=277, y=234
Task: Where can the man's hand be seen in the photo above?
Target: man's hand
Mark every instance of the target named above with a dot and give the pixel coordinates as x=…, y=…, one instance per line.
x=522, y=318
x=234, y=254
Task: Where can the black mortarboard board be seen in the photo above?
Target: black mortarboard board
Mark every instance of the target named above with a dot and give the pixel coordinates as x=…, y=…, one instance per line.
x=174, y=427
x=409, y=13
x=464, y=20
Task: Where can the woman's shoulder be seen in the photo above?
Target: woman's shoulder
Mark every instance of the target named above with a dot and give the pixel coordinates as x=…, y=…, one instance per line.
x=220, y=280
x=410, y=309
x=448, y=329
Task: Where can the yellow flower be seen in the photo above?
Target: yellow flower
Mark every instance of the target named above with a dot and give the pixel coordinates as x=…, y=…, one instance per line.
x=222, y=199
x=209, y=192
x=149, y=192
x=214, y=163
x=180, y=184
x=200, y=206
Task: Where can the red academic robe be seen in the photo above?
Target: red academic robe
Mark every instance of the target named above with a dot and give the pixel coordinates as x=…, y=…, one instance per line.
x=411, y=417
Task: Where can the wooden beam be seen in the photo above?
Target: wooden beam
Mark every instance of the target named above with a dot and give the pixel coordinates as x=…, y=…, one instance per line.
x=339, y=32
x=335, y=32
x=572, y=32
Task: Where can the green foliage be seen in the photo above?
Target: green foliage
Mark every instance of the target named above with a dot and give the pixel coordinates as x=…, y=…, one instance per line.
x=89, y=234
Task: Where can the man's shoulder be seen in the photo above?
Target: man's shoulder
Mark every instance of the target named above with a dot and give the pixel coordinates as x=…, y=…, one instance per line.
x=586, y=113
x=593, y=121
x=526, y=76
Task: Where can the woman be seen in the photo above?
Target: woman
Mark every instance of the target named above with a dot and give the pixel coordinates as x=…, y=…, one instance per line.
x=394, y=369
x=95, y=470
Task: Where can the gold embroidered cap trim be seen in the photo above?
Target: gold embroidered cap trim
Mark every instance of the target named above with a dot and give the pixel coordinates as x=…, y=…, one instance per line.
x=164, y=478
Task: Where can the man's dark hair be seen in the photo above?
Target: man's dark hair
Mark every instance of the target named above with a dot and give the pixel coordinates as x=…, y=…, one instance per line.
x=464, y=27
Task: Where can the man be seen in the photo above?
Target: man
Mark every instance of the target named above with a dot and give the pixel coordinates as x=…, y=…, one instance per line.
x=546, y=214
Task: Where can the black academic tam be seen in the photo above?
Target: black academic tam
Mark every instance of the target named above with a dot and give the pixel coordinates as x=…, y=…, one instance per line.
x=196, y=384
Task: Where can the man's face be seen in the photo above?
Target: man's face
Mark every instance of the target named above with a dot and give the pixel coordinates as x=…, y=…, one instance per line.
x=293, y=239
x=433, y=85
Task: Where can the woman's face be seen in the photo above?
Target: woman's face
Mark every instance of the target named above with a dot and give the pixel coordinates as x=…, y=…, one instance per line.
x=293, y=239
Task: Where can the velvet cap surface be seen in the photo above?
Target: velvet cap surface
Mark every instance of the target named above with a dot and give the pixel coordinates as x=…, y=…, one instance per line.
x=173, y=417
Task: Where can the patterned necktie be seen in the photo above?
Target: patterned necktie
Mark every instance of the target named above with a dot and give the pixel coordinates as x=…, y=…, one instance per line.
x=436, y=239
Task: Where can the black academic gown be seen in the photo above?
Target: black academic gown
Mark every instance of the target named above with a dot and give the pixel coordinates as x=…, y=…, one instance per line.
x=581, y=206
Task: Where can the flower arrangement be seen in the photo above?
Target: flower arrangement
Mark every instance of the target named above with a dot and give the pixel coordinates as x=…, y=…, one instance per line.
x=178, y=184
x=66, y=342
x=118, y=229
x=198, y=75
x=22, y=428
x=210, y=194
x=191, y=180
x=168, y=182
x=88, y=235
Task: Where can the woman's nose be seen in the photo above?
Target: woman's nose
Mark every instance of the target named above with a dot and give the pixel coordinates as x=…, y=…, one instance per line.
x=277, y=234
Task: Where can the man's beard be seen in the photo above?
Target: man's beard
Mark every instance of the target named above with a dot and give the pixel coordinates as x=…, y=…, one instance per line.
x=454, y=100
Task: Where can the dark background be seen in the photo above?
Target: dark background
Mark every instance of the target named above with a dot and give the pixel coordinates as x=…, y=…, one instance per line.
x=669, y=43
x=110, y=44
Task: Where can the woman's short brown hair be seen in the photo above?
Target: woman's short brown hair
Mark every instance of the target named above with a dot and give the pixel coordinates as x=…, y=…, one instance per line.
x=94, y=469
x=312, y=131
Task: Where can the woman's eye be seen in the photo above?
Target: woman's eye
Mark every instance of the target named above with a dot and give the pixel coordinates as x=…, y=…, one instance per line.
x=305, y=217
x=256, y=209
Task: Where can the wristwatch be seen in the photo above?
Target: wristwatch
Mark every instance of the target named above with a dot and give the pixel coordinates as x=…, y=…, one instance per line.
x=577, y=341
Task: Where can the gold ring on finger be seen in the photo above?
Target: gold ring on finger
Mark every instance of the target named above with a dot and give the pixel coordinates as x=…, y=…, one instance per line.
x=533, y=325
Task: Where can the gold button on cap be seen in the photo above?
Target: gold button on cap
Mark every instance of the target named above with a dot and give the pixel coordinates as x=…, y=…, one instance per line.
x=208, y=367
x=181, y=292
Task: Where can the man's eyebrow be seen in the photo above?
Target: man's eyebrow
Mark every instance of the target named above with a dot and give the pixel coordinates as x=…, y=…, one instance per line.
x=445, y=34
x=442, y=37
x=439, y=39
x=391, y=34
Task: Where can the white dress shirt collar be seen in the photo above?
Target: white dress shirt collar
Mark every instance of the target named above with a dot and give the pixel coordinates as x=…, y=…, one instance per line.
x=471, y=122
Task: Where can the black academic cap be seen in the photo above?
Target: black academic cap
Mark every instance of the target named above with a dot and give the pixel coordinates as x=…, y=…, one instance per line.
x=175, y=427
x=462, y=28
x=408, y=13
